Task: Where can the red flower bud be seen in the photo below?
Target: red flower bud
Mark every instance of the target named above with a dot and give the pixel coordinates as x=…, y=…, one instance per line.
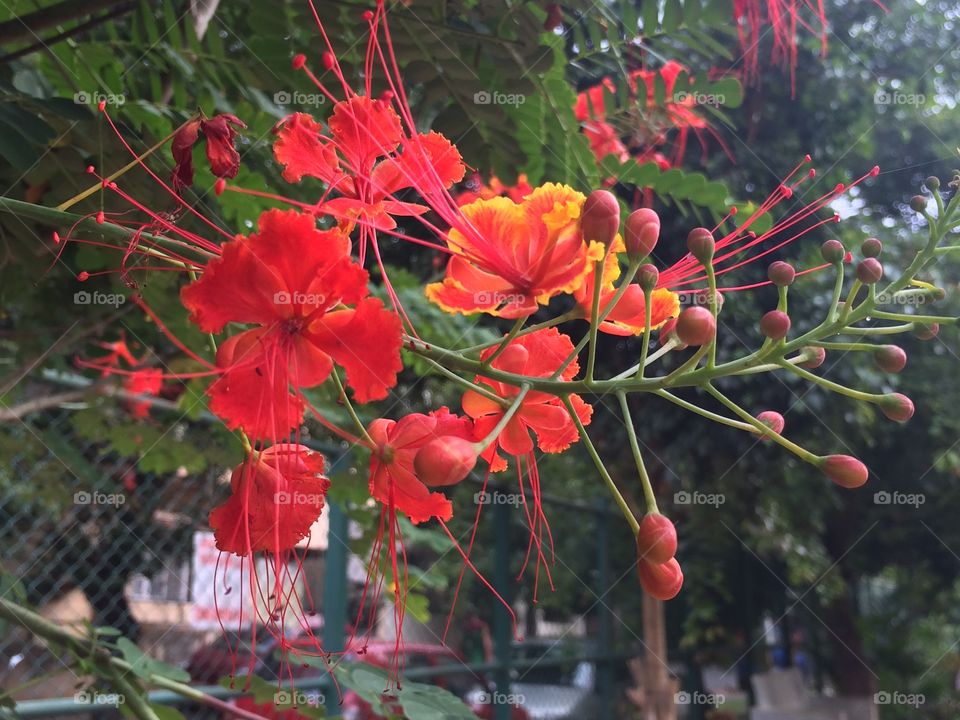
x=445, y=461
x=897, y=407
x=647, y=277
x=600, y=217
x=833, y=251
x=775, y=324
x=918, y=203
x=661, y=580
x=772, y=420
x=696, y=326
x=641, y=233
x=890, y=358
x=656, y=538
x=871, y=248
x=926, y=332
x=816, y=356
x=844, y=470
x=869, y=271
x=781, y=273
x=701, y=245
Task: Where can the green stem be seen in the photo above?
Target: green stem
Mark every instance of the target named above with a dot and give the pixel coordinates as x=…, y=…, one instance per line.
x=705, y=413
x=507, y=339
x=595, y=315
x=571, y=315
x=598, y=462
x=833, y=386
x=800, y=452
x=349, y=406
x=648, y=494
x=647, y=321
x=464, y=383
x=498, y=428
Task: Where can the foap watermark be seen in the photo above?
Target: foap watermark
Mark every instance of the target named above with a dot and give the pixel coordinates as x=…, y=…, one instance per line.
x=885, y=97
x=898, y=498
x=299, y=298
x=485, y=297
x=902, y=298
x=896, y=697
x=699, y=98
x=483, y=97
x=96, y=97
x=299, y=98
x=698, y=498
x=486, y=497
x=85, y=297
x=92, y=697
x=298, y=697
x=98, y=498
x=499, y=698
x=297, y=498
x=699, y=698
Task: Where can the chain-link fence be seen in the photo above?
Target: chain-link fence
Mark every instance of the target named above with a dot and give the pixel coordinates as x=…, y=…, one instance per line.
x=91, y=536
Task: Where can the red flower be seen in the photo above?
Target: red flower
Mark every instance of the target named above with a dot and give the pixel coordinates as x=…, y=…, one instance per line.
x=276, y=495
x=393, y=481
x=291, y=281
x=142, y=382
x=537, y=354
x=223, y=157
x=361, y=160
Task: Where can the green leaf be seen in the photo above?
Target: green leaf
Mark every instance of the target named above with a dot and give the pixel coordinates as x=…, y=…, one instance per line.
x=144, y=666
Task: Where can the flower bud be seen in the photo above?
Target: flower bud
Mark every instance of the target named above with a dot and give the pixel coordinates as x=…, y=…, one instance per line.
x=656, y=538
x=445, y=461
x=869, y=271
x=647, y=277
x=871, y=248
x=833, y=251
x=696, y=326
x=890, y=358
x=926, y=332
x=775, y=324
x=932, y=183
x=918, y=203
x=554, y=17
x=772, y=420
x=661, y=580
x=641, y=233
x=600, y=217
x=781, y=273
x=815, y=355
x=897, y=407
x=701, y=245
x=844, y=470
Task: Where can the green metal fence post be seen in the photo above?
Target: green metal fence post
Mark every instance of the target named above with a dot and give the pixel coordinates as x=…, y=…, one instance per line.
x=502, y=630
x=605, y=615
x=335, y=593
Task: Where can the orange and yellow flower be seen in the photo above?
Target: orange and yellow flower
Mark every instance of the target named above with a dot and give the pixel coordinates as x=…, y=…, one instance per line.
x=508, y=257
x=628, y=316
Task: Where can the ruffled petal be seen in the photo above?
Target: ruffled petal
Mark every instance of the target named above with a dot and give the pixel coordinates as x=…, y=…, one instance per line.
x=302, y=150
x=628, y=316
x=275, y=499
x=366, y=343
x=365, y=129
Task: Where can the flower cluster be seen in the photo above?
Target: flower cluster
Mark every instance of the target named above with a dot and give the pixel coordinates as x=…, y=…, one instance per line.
x=288, y=308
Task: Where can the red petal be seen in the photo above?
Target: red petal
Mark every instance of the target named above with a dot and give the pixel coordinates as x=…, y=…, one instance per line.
x=302, y=150
x=365, y=130
x=366, y=343
x=221, y=153
x=254, y=391
x=274, y=501
x=182, y=149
